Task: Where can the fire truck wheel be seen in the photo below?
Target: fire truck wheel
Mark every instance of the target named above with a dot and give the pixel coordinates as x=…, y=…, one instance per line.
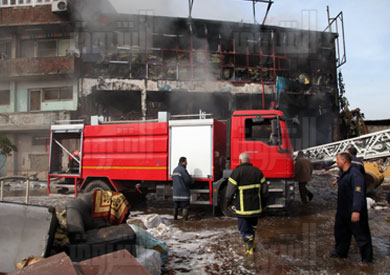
x=226, y=209
x=96, y=185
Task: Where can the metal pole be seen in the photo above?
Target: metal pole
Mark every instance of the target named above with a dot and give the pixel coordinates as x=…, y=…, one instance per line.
x=27, y=191
x=329, y=19
x=1, y=190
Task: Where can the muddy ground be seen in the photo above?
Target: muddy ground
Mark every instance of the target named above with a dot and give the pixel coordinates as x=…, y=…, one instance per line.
x=285, y=244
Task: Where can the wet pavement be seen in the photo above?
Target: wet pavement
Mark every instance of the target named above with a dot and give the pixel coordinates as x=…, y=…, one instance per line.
x=299, y=242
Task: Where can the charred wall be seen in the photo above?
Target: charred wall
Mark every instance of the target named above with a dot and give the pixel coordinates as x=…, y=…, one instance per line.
x=296, y=69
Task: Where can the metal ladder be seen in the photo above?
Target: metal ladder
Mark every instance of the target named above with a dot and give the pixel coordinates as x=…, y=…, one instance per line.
x=369, y=146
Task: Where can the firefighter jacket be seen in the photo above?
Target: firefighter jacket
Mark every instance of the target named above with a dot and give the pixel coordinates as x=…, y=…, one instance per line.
x=181, y=184
x=303, y=170
x=351, y=195
x=245, y=182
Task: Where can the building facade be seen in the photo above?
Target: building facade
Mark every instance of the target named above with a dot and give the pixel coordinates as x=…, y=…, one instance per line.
x=86, y=59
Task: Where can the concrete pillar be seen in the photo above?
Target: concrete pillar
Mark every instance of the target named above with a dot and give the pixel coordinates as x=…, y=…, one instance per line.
x=14, y=45
x=12, y=88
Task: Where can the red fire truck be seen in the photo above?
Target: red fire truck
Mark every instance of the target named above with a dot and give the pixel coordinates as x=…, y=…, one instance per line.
x=122, y=155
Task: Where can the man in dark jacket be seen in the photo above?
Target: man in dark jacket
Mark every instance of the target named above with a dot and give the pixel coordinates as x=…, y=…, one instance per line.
x=181, y=188
x=245, y=182
x=355, y=161
x=351, y=215
x=303, y=173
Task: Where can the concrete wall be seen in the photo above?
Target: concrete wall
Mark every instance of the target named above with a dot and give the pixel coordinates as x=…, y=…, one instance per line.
x=20, y=95
x=30, y=15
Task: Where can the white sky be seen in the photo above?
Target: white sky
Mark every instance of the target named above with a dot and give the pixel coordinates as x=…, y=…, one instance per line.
x=367, y=36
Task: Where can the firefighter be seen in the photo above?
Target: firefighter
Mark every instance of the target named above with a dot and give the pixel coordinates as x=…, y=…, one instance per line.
x=303, y=174
x=245, y=182
x=181, y=189
x=351, y=215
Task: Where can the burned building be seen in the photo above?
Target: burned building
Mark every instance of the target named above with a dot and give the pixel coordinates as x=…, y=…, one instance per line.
x=135, y=65
x=87, y=60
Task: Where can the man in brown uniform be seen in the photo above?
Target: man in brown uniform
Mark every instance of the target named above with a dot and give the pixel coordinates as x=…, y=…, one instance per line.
x=303, y=172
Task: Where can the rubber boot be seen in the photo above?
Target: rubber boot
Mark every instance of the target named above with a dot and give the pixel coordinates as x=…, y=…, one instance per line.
x=175, y=212
x=185, y=214
x=250, y=246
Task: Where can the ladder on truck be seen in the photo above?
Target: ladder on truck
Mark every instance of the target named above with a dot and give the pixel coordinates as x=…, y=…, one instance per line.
x=369, y=146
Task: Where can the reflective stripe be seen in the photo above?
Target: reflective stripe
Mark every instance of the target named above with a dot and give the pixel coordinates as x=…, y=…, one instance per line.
x=242, y=209
x=233, y=181
x=241, y=198
x=248, y=212
x=251, y=186
x=181, y=197
x=262, y=180
x=176, y=174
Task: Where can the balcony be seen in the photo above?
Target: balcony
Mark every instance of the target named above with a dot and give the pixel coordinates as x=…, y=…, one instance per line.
x=22, y=67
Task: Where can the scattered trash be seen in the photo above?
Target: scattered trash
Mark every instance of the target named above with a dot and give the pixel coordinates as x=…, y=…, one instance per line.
x=378, y=207
x=28, y=261
x=370, y=203
x=150, y=259
x=151, y=221
x=147, y=240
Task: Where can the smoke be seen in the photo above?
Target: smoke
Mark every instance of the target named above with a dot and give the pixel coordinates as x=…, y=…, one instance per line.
x=226, y=10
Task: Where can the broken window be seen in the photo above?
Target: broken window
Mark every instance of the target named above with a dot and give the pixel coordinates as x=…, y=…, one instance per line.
x=57, y=94
x=261, y=129
x=47, y=48
x=5, y=97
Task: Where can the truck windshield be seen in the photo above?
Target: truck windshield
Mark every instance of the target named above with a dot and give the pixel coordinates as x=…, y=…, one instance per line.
x=265, y=130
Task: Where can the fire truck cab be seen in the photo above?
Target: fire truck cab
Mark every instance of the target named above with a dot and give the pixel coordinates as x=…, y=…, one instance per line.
x=122, y=155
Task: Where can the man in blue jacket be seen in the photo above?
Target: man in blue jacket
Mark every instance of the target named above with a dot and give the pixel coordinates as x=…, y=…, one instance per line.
x=181, y=188
x=351, y=215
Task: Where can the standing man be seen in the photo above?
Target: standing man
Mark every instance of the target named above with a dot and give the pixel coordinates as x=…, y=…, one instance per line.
x=303, y=174
x=351, y=215
x=355, y=161
x=181, y=189
x=245, y=182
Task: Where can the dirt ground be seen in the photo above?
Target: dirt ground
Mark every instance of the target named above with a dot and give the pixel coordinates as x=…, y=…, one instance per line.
x=285, y=244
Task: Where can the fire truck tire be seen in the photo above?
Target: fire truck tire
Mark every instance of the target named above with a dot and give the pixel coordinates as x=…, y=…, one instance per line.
x=97, y=185
x=225, y=209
